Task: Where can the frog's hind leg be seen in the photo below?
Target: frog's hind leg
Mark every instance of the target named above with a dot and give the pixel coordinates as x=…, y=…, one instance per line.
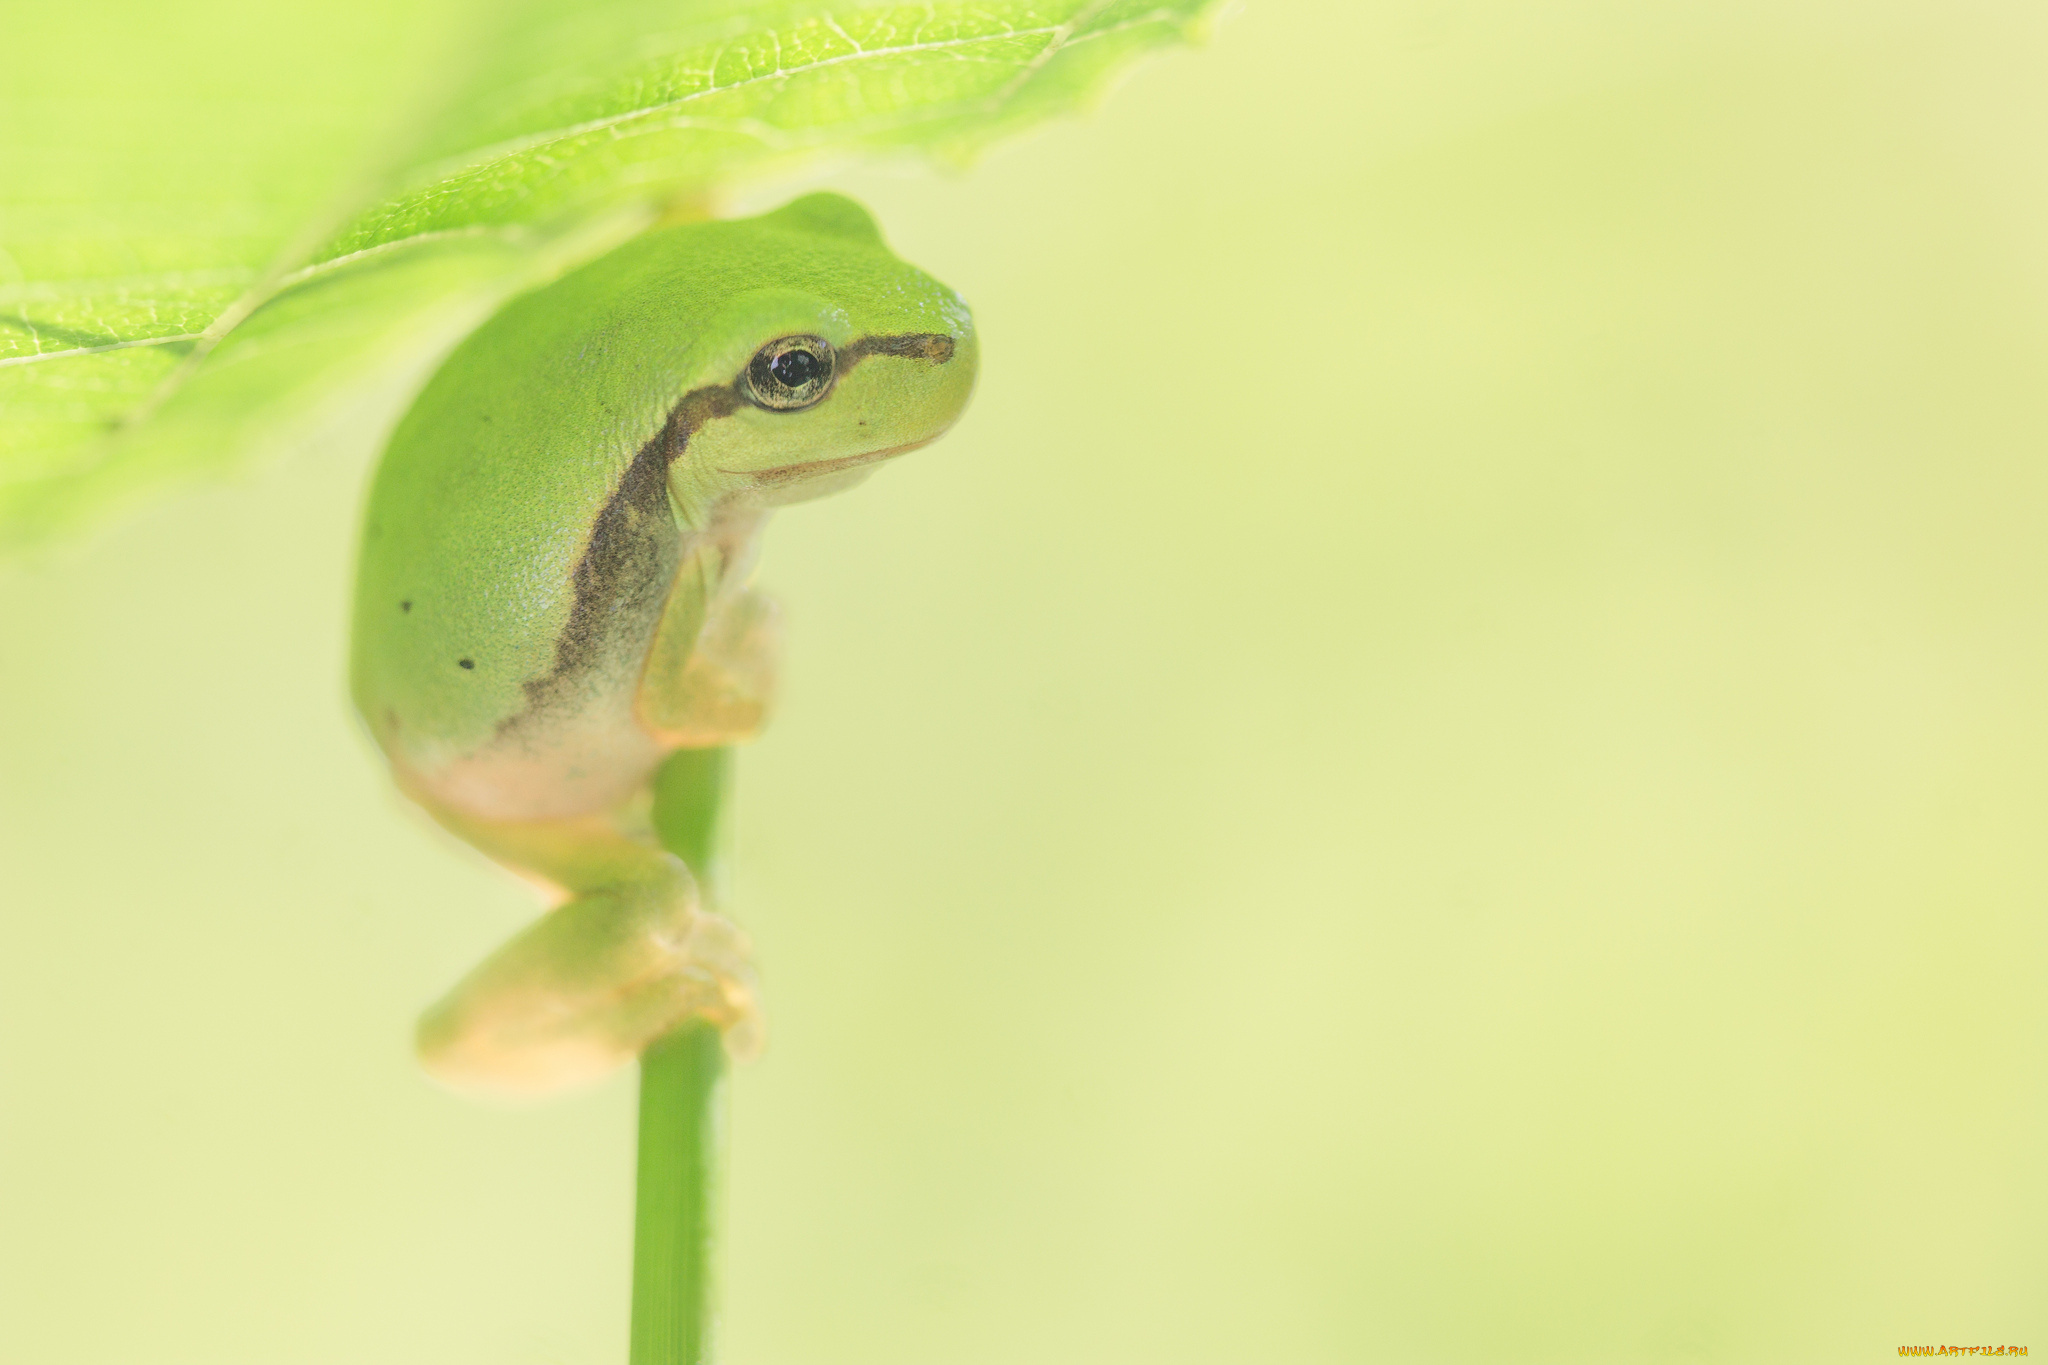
x=627, y=956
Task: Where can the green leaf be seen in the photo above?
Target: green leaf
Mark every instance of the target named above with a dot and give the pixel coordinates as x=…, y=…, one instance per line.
x=209, y=246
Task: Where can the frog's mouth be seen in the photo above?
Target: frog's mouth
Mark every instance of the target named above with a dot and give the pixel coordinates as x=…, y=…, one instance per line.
x=812, y=469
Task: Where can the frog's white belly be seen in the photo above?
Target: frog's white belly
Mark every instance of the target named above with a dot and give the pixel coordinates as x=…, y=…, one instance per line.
x=567, y=765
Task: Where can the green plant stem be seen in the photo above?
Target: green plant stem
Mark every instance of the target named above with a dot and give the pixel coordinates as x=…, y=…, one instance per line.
x=672, y=1234
x=679, y=1080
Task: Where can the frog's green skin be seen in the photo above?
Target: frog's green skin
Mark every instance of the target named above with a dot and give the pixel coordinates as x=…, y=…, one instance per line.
x=551, y=594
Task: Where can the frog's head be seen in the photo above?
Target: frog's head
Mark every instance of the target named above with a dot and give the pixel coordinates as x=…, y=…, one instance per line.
x=826, y=355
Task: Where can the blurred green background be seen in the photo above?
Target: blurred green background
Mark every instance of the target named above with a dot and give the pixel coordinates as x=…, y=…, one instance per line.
x=1449, y=766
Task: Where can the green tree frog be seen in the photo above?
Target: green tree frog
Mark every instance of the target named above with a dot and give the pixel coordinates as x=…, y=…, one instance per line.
x=552, y=591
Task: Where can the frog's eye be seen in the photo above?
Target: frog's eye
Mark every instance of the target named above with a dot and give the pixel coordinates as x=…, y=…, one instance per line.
x=793, y=372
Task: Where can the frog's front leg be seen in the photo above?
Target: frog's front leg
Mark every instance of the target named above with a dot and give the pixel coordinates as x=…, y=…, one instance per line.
x=626, y=957
x=710, y=678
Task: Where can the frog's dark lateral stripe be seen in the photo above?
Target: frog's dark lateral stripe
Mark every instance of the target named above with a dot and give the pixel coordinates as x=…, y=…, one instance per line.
x=933, y=346
x=623, y=579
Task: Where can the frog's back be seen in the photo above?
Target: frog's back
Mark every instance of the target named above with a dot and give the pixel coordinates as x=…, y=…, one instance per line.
x=516, y=554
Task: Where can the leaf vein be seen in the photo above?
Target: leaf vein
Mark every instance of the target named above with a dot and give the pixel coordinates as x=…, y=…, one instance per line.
x=96, y=350
x=512, y=147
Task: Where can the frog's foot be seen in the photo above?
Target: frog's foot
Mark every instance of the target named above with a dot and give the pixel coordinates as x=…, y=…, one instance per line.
x=722, y=692
x=590, y=984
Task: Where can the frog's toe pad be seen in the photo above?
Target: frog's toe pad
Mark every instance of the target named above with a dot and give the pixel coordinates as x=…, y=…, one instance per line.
x=714, y=980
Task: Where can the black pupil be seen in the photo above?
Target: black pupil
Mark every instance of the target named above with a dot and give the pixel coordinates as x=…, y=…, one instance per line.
x=794, y=369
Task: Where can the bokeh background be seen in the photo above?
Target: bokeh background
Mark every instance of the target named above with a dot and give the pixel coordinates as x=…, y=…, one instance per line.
x=1449, y=766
